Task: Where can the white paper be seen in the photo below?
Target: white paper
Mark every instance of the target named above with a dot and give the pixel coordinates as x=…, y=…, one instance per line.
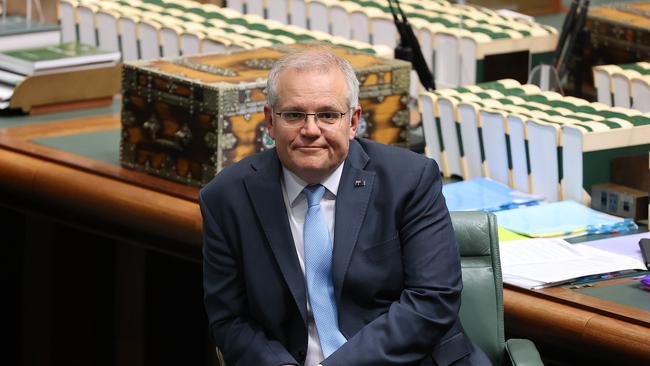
x=5, y=92
x=535, y=263
x=11, y=78
x=627, y=245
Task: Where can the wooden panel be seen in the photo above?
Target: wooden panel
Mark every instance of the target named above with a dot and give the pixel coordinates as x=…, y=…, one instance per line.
x=631, y=171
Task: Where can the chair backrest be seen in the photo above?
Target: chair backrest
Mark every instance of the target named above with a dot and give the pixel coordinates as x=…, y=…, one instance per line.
x=481, y=312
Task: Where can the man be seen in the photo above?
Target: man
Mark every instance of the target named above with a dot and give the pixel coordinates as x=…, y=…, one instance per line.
x=367, y=274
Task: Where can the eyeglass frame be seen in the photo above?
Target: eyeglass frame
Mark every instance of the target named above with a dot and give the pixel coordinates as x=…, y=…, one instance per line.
x=316, y=120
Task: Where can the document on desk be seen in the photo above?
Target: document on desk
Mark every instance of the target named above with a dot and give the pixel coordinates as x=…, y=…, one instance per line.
x=544, y=262
x=627, y=245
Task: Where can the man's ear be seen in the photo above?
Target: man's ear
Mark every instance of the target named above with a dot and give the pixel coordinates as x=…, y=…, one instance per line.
x=354, y=121
x=268, y=117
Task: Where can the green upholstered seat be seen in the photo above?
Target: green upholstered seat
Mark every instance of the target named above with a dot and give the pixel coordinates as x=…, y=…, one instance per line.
x=481, y=311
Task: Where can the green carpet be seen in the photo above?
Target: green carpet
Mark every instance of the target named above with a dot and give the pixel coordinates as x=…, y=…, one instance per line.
x=629, y=294
x=20, y=120
x=102, y=145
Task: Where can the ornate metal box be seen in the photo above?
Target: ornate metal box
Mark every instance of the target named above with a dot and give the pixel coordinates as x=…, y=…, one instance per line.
x=620, y=32
x=185, y=119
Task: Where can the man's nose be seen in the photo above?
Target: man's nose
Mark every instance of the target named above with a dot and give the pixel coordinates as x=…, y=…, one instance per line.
x=311, y=126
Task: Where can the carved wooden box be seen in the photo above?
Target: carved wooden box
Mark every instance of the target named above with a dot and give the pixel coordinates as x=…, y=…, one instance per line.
x=621, y=31
x=185, y=119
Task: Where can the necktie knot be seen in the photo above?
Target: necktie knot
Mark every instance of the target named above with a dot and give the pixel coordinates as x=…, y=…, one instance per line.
x=314, y=194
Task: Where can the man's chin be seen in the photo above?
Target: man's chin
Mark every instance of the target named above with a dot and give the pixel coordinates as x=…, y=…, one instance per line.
x=310, y=166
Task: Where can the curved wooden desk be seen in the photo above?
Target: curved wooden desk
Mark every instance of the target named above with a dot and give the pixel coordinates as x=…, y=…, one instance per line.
x=554, y=318
x=581, y=326
x=90, y=187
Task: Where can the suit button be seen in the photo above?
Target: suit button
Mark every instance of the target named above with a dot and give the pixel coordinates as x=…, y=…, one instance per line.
x=302, y=354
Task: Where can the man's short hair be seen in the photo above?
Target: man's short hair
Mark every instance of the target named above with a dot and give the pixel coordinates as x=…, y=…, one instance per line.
x=322, y=59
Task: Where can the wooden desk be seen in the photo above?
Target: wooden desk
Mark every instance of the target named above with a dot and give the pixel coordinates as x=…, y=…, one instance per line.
x=107, y=269
x=104, y=198
x=579, y=327
x=86, y=186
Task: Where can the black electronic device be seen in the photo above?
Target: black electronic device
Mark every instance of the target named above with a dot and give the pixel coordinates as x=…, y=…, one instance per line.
x=408, y=48
x=644, y=244
x=571, y=36
x=567, y=27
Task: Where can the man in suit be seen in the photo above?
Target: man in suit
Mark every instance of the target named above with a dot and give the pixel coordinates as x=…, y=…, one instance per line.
x=365, y=273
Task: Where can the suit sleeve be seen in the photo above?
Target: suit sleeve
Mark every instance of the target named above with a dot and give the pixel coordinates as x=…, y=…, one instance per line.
x=241, y=340
x=429, y=303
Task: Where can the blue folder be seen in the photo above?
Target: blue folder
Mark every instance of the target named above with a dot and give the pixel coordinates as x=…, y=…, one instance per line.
x=482, y=194
x=560, y=218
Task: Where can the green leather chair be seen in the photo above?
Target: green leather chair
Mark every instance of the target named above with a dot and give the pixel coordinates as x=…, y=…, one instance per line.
x=481, y=311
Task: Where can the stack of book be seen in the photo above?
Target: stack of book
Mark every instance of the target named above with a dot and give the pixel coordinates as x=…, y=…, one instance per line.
x=57, y=74
x=535, y=142
x=626, y=85
x=152, y=29
x=462, y=44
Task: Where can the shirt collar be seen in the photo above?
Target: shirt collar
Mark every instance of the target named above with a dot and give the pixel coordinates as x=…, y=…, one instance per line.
x=294, y=185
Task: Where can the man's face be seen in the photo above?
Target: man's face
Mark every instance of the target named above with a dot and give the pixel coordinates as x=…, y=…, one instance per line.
x=312, y=151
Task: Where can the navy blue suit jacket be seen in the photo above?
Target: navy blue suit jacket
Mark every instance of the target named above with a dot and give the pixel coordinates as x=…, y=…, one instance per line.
x=396, y=270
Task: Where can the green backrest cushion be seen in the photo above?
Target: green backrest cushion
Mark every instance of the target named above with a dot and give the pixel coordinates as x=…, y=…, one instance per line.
x=481, y=311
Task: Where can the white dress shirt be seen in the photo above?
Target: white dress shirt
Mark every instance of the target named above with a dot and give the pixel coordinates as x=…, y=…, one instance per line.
x=296, y=204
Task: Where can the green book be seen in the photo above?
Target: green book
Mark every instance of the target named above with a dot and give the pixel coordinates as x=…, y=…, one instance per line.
x=55, y=58
x=16, y=32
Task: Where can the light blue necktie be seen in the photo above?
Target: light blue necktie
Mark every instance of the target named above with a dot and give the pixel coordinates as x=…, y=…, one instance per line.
x=318, y=271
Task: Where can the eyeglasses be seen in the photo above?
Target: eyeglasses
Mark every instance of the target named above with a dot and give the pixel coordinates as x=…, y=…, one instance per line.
x=298, y=119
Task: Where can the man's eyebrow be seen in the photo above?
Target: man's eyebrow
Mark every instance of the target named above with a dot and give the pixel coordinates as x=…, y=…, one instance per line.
x=323, y=108
x=291, y=108
x=330, y=108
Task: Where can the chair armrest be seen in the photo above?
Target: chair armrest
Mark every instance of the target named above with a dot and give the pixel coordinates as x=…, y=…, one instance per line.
x=522, y=352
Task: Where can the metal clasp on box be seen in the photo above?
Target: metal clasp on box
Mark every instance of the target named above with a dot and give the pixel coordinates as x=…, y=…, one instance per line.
x=180, y=140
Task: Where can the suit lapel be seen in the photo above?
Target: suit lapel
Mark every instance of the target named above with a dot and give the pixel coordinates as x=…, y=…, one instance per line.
x=352, y=199
x=265, y=191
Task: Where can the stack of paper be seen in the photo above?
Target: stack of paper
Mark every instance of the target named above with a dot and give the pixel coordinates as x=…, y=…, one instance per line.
x=627, y=245
x=559, y=219
x=538, y=263
x=483, y=194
